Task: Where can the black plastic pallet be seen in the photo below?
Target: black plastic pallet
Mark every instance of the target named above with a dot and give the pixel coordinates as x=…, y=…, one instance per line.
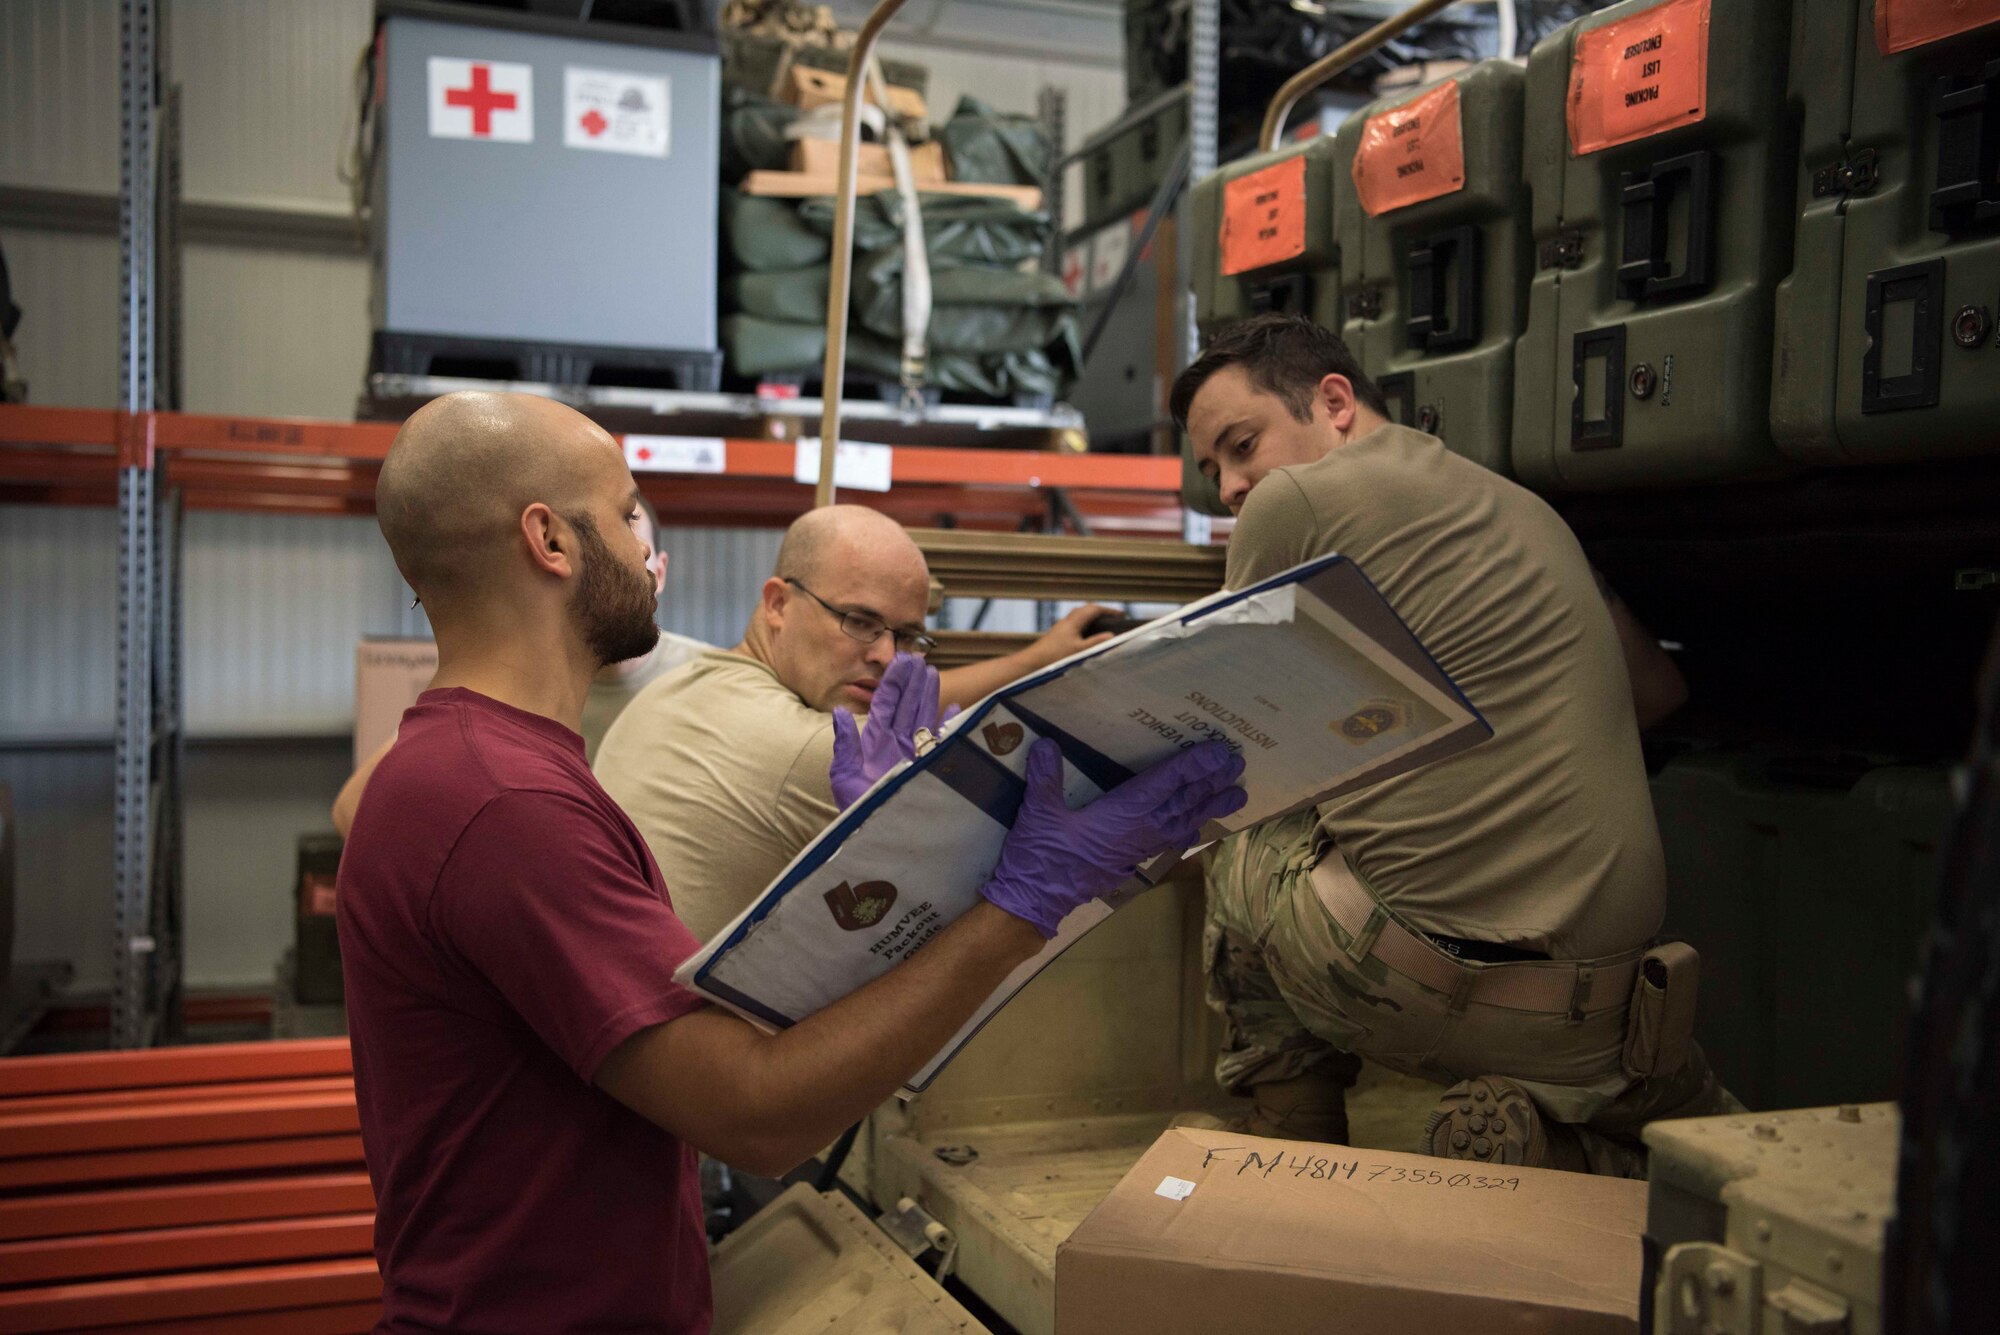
x=394, y=353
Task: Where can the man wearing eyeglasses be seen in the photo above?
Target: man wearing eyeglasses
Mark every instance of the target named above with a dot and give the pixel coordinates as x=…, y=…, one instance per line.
x=723, y=766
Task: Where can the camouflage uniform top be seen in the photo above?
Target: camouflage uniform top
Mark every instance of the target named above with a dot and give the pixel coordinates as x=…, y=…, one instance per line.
x=1544, y=835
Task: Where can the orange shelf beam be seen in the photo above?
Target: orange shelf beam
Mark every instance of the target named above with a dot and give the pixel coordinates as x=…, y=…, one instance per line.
x=320, y=1152
x=366, y=442
x=216, y=1063
x=123, y=1209
x=206, y=1122
x=208, y=1294
x=199, y=1247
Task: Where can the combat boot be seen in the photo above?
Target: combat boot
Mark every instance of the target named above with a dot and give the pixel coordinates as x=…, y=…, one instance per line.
x=1312, y=1106
x=1493, y=1120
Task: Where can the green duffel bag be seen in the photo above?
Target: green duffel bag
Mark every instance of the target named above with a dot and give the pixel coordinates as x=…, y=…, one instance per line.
x=1002, y=148
x=999, y=375
x=753, y=346
x=753, y=134
x=798, y=295
x=956, y=227
x=757, y=347
x=762, y=234
x=974, y=308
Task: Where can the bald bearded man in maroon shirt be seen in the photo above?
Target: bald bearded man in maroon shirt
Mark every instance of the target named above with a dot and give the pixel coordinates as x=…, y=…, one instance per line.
x=533, y=1086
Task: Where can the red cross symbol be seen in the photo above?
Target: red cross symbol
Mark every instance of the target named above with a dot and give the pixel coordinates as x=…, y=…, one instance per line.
x=645, y=452
x=594, y=122
x=482, y=99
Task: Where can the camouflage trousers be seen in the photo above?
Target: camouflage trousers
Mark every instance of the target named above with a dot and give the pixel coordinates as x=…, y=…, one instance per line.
x=1294, y=1000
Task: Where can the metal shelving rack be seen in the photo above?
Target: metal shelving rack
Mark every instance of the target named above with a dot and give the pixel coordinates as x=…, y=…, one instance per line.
x=147, y=751
x=152, y=462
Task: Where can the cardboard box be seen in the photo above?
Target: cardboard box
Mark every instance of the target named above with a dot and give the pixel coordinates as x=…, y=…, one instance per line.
x=823, y=155
x=806, y=88
x=389, y=675
x=1219, y=1232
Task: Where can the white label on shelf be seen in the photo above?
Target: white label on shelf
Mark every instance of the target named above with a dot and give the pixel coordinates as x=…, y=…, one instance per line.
x=676, y=454
x=613, y=111
x=1174, y=1188
x=861, y=466
x=482, y=99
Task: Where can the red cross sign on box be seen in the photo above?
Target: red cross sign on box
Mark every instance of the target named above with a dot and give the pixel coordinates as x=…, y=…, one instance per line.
x=482, y=99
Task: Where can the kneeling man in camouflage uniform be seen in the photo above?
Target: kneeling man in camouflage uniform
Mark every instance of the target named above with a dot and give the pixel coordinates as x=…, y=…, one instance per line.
x=1486, y=922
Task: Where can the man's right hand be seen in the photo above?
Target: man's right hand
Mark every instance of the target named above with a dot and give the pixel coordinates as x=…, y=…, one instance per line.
x=1056, y=858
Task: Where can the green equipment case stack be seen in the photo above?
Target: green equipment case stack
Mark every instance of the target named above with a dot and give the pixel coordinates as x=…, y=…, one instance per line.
x=1263, y=237
x=1886, y=347
x=1263, y=241
x=1660, y=154
x=1124, y=163
x=1435, y=255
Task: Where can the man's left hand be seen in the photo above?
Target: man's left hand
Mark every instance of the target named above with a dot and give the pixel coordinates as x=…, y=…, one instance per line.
x=1067, y=635
x=905, y=703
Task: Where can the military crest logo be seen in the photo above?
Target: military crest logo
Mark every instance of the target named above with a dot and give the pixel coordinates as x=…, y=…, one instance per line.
x=1370, y=721
x=1002, y=738
x=859, y=907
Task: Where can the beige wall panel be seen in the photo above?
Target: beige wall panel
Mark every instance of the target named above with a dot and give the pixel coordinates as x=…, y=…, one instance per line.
x=59, y=94
x=66, y=285
x=273, y=331
x=267, y=91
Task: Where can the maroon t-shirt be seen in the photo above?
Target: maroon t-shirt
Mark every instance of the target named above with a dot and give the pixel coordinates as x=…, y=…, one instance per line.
x=502, y=928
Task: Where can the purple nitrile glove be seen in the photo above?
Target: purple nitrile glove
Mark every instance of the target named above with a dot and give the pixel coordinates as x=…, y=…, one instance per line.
x=1056, y=859
x=905, y=701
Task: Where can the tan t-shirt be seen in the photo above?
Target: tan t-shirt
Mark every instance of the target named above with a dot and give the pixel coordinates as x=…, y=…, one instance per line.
x=1543, y=835
x=724, y=771
x=607, y=699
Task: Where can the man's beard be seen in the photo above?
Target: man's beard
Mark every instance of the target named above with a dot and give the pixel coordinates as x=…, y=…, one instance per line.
x=613, y=606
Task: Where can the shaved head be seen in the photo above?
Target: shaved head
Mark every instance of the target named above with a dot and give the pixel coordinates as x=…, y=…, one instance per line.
x=510, y=511
x=841, y=535
x=463, y=467
x=838, y=562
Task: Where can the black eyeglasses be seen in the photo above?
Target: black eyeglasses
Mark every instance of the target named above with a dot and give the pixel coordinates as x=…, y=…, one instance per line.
x=867, y=629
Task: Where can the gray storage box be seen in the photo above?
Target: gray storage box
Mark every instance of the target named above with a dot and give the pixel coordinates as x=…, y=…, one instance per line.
x=535, y=187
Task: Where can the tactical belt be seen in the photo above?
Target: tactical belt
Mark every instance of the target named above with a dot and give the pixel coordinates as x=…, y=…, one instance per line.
x=1562, y=987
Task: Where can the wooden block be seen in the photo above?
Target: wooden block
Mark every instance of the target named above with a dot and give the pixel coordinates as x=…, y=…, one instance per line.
x=806, y=88
x=800, y=185
x=822, y=156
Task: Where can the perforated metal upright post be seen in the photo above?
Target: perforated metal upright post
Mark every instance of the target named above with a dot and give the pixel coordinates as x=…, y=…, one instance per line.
x=170, y=750
x=1052, y=108
x=1204, y=91
x=132, y=747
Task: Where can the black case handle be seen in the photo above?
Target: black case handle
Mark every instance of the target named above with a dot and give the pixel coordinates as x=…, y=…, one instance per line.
x=1645, y=270
x=1431, y=325
x=1288, y=294
x=1968, y=150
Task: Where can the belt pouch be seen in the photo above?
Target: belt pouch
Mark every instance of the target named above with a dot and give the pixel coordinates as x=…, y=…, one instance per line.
x=1660, y=1027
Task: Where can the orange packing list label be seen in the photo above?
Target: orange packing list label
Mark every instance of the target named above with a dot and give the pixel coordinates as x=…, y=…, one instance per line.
x=1411, y=153
x=1902, y=24
x=1264, y=217
x=1639, y=76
